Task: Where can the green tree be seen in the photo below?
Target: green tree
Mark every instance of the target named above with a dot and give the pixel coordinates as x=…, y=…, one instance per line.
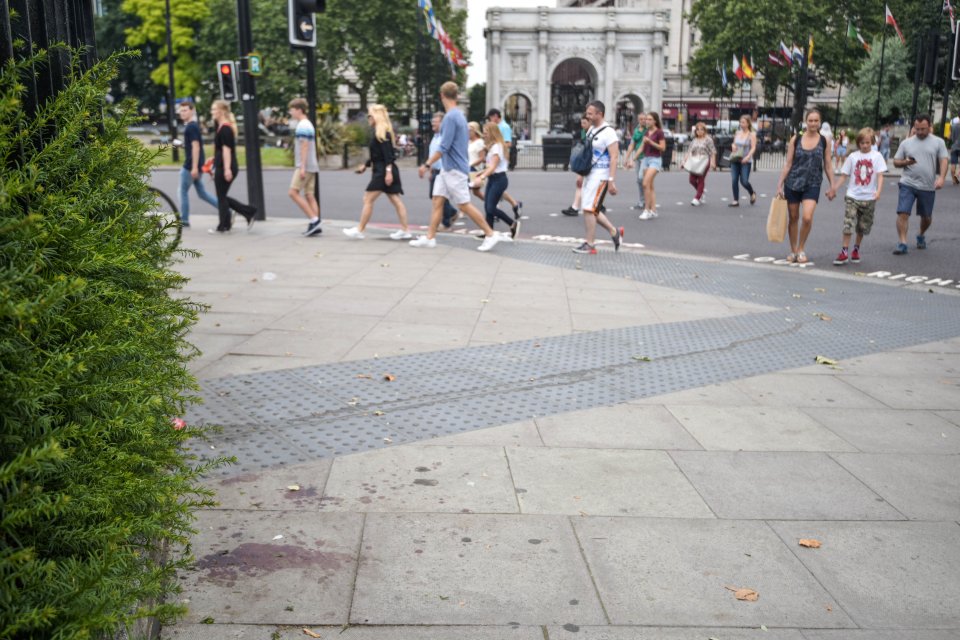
x=478, y=102
x=185, y=16
x=371, y=47
x=896, y=95
x=133, y=76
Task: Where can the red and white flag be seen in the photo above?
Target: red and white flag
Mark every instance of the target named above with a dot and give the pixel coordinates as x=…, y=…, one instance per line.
x=737, y=71
x=786, y=53
x=773, y=58
x=953, y=20
x=893, y=23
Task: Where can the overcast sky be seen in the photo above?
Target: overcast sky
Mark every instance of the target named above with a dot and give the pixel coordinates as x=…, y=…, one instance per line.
x=476, y=20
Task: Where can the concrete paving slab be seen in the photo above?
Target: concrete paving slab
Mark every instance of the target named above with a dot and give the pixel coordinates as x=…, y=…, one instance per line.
x=923, y=487
x=780, y=485
x=891, y=430
x=413, y=632
x=756, y=429
x=406, y=313
x=944, y=346
x=269, y=490
x=666, y=633
x=899, y=363
x=447, y=336
x=797, y=390
x=231, y=323
x=911, y=392
x=720, y=395
x=879, y=634
x=517, y=434
x=245, y=574
x=885, y=575
x=603, y=482
x=623, y=426
x=952, y=416
x=596, y=322
x=213, y=347
x=660, y=572
x=422, y=478
x=472, y=569
x=234, y=365
x=297, y=344
x=351, y=325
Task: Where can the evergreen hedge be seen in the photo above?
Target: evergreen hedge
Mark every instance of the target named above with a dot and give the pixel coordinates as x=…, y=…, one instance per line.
x=95, y=490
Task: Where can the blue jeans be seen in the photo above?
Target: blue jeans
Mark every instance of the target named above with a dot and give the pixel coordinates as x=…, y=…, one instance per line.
x=496, y=186
x=740, y=174
x=185, y=181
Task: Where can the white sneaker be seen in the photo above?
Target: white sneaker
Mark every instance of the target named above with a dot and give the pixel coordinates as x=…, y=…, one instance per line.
x=695, y=202
x=646, y=215
x=354, y=232
x=654, y=214
x=400, y=234
x=490, y=241
x=424, y=241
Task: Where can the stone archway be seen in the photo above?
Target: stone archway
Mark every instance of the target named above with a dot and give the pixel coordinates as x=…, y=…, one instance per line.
x=518, y=112
x=626, y=111
x=573, y=84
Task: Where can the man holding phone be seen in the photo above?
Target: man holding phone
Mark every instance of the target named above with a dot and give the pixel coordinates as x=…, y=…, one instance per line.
x=923, y=158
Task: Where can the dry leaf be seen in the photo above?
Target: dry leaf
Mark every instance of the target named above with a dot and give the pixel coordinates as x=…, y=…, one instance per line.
x=744, y=594
x=365, y=376
x=293, y=487
x=810, y=543
x=353, y=402
x=312, y=634
x=823, y=316
x=389, y=377
x=796, y=295
x=820, y=290
x=378, y=413
x=824, y=360
x=642, y=358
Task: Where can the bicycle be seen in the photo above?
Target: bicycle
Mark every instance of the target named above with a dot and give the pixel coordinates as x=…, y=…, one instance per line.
x=167, y=218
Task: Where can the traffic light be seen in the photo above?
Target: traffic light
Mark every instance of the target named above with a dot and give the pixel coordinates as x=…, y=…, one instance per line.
x=227, y=71
x=303, y=22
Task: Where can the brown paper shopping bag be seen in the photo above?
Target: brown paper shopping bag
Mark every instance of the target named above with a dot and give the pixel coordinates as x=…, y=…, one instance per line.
x=777, y=220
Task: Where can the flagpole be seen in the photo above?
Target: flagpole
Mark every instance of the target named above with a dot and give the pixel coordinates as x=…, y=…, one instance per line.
x=883, y=50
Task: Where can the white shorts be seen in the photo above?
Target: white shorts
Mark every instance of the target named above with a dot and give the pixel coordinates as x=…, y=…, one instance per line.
x=594, y=191
x=452, y=185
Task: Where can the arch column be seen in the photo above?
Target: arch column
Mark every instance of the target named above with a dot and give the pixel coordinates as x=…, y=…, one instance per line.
x=656, y=92
x=608, y=72
x=541, y=123
x=493, y=90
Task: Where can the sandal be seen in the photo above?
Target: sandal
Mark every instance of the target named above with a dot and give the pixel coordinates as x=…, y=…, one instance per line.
x=791, y=258
x=801, y=258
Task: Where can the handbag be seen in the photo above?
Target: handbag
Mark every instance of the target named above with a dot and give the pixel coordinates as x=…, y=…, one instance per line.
x=697, y=165
x=736, y=155
x=777, y=220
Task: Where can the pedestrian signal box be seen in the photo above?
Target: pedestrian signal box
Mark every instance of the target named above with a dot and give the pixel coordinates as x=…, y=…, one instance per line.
x=227, y=72
x=303, y=21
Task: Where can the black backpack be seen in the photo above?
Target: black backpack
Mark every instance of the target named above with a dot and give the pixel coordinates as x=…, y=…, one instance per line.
x=581, y=158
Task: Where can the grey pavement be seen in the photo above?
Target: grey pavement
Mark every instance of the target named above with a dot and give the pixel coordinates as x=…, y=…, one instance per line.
x=529, y=444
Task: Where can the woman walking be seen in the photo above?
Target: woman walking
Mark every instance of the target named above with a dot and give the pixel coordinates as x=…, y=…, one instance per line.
x=385, y=178
x=495, y=174
x=226, y=167
x=807, y=161
x=702, y=151
x=741, y=158
x=475, y=154
x=635, y=153
x=843, y=141
x=654, y=143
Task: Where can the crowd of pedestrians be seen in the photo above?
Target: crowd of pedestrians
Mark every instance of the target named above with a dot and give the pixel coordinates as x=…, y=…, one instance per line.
x=467, y=159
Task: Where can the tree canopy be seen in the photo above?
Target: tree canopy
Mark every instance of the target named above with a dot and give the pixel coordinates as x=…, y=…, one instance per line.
x=896, y=96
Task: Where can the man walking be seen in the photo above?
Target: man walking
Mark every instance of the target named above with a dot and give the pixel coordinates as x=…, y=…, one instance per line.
x=506, y=131
x=303, y=184
x=452, y=183
x=190, y=171
x=606, y=153
x=923, y=158
x=954, y=149
x=449, y=212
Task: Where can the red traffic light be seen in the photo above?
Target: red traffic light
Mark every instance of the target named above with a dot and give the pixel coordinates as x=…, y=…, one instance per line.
x=226, y=69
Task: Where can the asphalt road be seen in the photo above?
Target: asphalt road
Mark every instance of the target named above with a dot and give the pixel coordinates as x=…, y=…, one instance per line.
x=713, y=229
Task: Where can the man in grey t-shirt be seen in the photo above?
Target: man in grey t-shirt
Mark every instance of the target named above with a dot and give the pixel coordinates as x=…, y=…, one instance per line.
x=923, y=158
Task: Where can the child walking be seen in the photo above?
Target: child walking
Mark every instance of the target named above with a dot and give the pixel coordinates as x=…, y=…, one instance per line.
x=866, y=167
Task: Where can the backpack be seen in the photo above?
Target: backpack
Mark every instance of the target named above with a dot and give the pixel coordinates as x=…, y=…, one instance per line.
x=581, y=158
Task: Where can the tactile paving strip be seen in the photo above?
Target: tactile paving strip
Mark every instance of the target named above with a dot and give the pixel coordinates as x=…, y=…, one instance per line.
x=291, y=416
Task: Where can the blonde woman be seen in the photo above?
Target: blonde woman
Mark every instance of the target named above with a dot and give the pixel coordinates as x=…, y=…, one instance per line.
x=226, y=167
x=385, y=178
x=495, y=174
x=476, y=151
x=701, y=146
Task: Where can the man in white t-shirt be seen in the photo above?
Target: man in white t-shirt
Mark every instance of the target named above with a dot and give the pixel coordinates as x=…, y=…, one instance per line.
x=601, y=179
x=865, y=168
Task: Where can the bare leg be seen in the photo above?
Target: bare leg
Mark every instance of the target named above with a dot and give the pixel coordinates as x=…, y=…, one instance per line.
x=436, y=214
x=313, y=204
x=305, y=206
x=925, y=222
x=859, y=239
x=509, y=198
x=649, y=195
x=806, y=225
x=903, y=223
x=793, y=211
x=846, y=240
x=590, y=225
x=604, y=222
x=369, y=197
x=474, y=214
x=397, y=203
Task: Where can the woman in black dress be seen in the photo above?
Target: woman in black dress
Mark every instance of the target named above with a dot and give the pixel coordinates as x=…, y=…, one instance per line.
x=385, y=178
x=226, y=167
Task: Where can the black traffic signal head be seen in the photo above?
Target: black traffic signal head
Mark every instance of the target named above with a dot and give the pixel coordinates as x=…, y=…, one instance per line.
x=303, y=22
x=227, y=72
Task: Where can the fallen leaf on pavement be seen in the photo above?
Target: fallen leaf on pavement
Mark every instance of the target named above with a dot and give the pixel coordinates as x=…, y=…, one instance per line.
x=643, y=358
x=353, y=402
x=824, y=360
x=810, y=543
x=389, y=377
x=744, y=594
x=378, y=412
x=312, y=634
x=823, y=316
x=293, y=487
x=388, y=440
x=365, y=376
x=820, y=290
x=796, y=295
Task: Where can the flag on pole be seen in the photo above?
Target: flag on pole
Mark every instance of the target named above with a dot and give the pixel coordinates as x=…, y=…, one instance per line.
x=810, y=52
x=854, y=33
x=773, y=57
x=723, y=74
x=737, y=71
x=797, y=54
x=953, y=20
x=787, y=54
x=746, y=67
x=893, y=23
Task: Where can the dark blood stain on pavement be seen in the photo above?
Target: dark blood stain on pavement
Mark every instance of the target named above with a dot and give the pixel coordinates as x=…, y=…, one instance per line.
x=254, y=559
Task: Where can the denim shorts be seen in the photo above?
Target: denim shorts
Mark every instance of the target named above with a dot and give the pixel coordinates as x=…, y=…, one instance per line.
x=808, y=193
x=955, y=156
x=651, y=163
x=923, y=198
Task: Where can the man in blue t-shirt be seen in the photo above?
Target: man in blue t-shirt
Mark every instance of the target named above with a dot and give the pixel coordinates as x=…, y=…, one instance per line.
x=190, y=172
x=453, y=183
x=506, y=131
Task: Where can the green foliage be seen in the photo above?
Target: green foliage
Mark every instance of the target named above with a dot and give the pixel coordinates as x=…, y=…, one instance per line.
x=478, y=103
x=94, y=486
x=133, y=77
x=896, y=95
